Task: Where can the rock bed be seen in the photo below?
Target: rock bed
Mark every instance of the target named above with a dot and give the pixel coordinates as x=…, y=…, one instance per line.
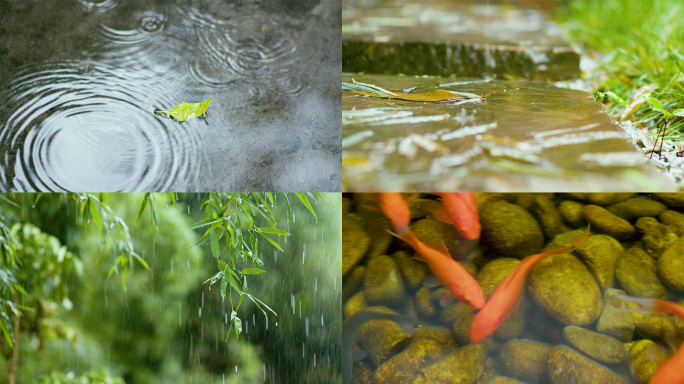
x=568, y=328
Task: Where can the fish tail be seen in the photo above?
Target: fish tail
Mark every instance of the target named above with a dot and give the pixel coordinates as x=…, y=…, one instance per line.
x=407, y=236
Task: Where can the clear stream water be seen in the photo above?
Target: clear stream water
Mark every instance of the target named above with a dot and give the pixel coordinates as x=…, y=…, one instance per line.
x=80, y=80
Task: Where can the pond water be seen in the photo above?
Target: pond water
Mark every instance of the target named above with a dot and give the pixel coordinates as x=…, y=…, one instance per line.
x=568, y=325
x=80, y=81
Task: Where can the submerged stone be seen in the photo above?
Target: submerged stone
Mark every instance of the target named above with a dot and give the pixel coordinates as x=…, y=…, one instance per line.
x=527, y=136
x=567, y=366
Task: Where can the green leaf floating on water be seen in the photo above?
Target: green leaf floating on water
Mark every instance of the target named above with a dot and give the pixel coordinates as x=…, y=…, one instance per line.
x=186, y=111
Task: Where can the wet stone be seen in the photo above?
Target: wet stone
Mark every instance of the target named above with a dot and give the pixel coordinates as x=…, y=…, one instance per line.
x=567, y=366
x=595, y=345
x=502, y=380
x=355, y=241
x=446, y=37
x=572, y=212
x=525, y=360
x=599, y=253
x=639, y=206
x=656, y=237
x=510, y=230
x=462, y=366
x=527, y=136
x=414, y=271
x=566, y=290
x=674, y=220
x=353, y=281
x=602, y=220
x=641, y=366
x=383, y=283
x=405, y=367
x=671, y=265
x=636, y=272
x=614, y=320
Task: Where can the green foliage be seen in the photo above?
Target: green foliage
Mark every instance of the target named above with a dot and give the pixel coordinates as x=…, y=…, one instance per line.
x=99, y=377
x=641, y=46
x=186, y=111
x=229, y=228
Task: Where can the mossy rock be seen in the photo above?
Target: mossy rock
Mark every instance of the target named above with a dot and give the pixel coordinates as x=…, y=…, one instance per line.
x=641, y=366
x=674, y=220
x=595, y=345
x=599, y=253
x=671, y=199
x=671, y=266
x=383, y=284
x=656, y=237
x=567, y=366
x=462, y=366
x=525, y=360
x=355, y=241
x=566, y=290
x=603, y=221
x=546, y=213
x=510, y=230
x=638, y=206
x=572, y=212
x=637, y=274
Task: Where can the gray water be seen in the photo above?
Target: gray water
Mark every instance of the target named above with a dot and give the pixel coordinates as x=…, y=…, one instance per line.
x=80, y=80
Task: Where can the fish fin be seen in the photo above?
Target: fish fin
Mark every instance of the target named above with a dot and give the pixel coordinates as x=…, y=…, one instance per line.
x=446, y=300
x=411, y=197
x=431, y=281
x=370, y=207
x=358, y=354
x=445, y=250
x=440, y=213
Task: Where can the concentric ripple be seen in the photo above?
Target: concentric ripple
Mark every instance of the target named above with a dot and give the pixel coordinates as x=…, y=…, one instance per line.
x=93, y=132
x=249, y=45
x=98, y=6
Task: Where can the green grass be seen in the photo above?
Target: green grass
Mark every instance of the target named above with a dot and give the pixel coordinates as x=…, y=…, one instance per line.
x=640, y=43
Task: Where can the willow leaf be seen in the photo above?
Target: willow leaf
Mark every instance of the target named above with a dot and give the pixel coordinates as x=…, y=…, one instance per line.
x=186, y=111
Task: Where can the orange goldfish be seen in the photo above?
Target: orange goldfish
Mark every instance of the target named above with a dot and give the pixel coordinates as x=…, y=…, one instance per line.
x=462, y=209
x=672, y=370
x=505, y=296
x=395, y=208
x=450, y=273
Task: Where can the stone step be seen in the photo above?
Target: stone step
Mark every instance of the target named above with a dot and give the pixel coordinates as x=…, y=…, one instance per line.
x=528, y=136
x=461, y=38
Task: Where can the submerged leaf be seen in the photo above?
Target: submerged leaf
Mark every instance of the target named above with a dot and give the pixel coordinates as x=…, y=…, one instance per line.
x=186, y=111
x=434, y=96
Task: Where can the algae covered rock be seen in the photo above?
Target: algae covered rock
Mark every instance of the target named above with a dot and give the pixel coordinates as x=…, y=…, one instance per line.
x=380, y=238
x=599, y=253
x=638, y=206
x=656, y=236
x=602, y=220
x=525, y=360
x=671, y=199
x=510, y=230
x=462, y=366
x=355, y=241
x=572, y=212
x=566, y=290
x=502, y=380
x=353, y=281
x=382, y=338
x=671, y=266
x=546, y=213
x=595, y=345
x=567, y=366
x=414, y=271
x=383, y=283
x=674, y=220
x=641, y=366
x=405, y=366
x=614, y=320
x=636, y=272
